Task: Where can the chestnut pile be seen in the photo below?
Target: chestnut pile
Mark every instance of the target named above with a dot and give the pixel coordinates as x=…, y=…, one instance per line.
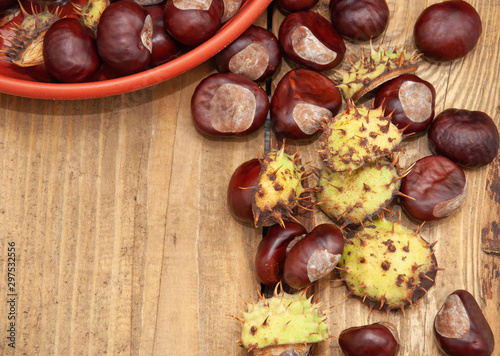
x=98, y=40
x=384, y=264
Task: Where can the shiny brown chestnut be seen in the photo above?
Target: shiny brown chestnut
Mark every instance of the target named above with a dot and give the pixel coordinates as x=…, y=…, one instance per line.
x=164, y=47
x=314, y=256
x=447, y=30
x=308, y=39
x=192, y=22
x=255, y=55
x=411, y=100
x=460, y=328
x=359, y=20
x=70, y=51
x=240, y=192
x=296, y=5
x=434, y=188
x=272, y=249
x=124, y=37
x=227, y=104
x=378, y=339
x=468, y=138
x=302, y=99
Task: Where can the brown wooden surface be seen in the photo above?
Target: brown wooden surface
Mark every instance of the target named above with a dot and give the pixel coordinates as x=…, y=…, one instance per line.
x=124, y=244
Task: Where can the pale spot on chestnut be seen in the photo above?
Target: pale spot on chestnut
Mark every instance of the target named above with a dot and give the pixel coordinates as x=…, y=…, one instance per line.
x=416, y=100
x=452, y=320
x=321, y=263
x=147, y=33
x=446, y=208
x=308, y=47
x=231, y=7
x=192, y=4
x=294, y=242
x=251, y=62
x=308, y=117
x=232, y=108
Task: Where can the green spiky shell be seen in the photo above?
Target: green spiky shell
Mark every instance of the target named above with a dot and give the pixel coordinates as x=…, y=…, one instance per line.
x=284, y=319
x=90, y=13
x=369, y=71
x=278, y=187
x=388, y=265
x=358, y=136
x=26, y=47
x=353, y=198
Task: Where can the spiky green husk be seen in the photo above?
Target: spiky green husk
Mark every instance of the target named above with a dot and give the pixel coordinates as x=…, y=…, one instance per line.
x=388, y=265
x=90, y=13
x=284, y=319
x=373, y=69
x=26, y=46
x=278, y=188
x=353, y=198
x=358, y=136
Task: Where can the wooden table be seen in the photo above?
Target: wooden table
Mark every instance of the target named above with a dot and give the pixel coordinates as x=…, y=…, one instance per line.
x=116, y=208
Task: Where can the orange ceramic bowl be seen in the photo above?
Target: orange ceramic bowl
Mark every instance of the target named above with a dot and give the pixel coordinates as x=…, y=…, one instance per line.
x=14, y=81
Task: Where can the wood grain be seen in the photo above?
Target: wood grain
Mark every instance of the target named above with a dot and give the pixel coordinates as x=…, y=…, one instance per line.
x=124, y=243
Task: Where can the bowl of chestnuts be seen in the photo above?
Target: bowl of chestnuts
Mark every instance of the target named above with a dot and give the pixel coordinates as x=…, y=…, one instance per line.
x=78, y=49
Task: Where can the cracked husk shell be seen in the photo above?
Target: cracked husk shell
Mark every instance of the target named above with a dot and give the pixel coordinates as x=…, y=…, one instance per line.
x=375, y=68
x=388, y=265
x=358, y=196
x=26, y=46
x=358, y=136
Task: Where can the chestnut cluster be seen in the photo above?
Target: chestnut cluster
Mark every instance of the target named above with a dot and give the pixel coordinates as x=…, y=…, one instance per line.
x=102, y=40
x=433, y=187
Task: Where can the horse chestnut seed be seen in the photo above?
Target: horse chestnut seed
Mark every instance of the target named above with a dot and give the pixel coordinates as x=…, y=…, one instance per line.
x=433, y=189
x=255, y=55
x=460, y=328
x=301, y=101
x=227, y=104
x=411, y=101
x=240, y=193
x=468, y=138
x=296, y=5
x=124, y=37
x=314, y=256
x=272, y=249
x=359, y=20
x=447, y=30
x=307, y=38
x=193, y=22
x=378, y=339
x=69, y=51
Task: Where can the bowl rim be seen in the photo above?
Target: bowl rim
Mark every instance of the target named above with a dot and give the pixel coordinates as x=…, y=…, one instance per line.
x=246, y=16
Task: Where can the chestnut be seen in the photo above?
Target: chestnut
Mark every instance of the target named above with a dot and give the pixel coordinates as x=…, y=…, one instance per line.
x=433, y=189
x=359, y=20
x=192, y=22
x=227, y=104
x=314, y=256
x=272, y=249
x=124, y=37
x=240, y=192
x=447, y=30
x=468, y=138
x=308, y=39
x=460, y=328
x=302, y=99
x=378, y=339
x=296, y=5
x=411, y=101
x=70, y=51
x=255, y=55
x=164, y=47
